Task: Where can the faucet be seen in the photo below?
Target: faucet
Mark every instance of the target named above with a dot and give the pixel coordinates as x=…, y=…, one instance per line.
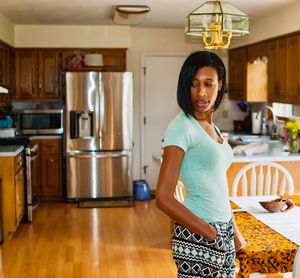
x=273, y=129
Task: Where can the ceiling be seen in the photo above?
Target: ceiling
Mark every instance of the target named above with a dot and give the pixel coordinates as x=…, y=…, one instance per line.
x=164, y=13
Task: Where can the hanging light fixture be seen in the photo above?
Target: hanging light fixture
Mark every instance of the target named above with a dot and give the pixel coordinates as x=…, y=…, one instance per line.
x=217, y=21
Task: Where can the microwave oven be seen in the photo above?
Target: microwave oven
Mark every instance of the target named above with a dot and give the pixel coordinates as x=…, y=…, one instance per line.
x=35, y=121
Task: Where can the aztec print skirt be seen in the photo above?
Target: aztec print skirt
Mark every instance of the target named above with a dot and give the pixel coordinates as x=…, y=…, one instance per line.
x=195, y=256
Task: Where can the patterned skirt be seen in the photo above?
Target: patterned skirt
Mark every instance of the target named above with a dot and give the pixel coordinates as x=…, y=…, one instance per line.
x=195, y=256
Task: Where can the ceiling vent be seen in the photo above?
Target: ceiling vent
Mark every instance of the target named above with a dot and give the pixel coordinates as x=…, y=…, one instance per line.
x=130, y=14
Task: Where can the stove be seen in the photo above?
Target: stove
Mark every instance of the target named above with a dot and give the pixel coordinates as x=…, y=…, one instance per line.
x=18, y=140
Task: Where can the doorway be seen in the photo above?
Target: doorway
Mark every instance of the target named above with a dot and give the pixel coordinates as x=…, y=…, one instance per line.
x=158, y=107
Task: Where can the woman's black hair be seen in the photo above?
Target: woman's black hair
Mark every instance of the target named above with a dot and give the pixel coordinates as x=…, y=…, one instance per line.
x=192, y=64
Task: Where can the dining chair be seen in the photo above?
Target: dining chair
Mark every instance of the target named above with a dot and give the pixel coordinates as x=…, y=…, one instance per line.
x=296, y=266
x=179, y=195
x=263, y=178
x=180, y=192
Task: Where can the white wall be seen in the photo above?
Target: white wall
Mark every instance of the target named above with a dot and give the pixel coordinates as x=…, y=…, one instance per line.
x=72, y=36
x=6, y=30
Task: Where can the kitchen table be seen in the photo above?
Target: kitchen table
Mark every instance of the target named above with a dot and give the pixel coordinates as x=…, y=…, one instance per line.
x=270, y=247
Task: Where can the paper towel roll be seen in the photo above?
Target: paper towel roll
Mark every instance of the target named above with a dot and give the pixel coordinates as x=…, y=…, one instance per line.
x=256, y=123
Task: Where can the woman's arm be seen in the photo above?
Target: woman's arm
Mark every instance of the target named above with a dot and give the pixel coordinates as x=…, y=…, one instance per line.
x=165, y=200
x=239, y=241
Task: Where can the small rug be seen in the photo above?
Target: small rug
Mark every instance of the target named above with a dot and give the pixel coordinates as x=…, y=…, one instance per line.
x=106, y=203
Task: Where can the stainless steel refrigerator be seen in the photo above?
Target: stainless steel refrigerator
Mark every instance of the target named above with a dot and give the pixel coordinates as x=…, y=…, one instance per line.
x=98, y=134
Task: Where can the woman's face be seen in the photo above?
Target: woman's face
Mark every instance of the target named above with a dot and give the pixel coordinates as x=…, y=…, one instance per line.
x=204, y=90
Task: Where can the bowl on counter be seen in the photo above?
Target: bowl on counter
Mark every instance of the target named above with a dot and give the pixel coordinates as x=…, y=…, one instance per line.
x=279, y=204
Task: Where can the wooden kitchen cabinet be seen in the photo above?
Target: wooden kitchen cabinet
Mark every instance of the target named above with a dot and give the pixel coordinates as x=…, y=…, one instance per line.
x=47, y=177
x=49, y=72
x=237, y=73
x=5, y=66
x=283, y=69
x=247, y=81
x=293, y=69
x=113, y=59
x=13, y=195
x=279, y=93
x=37, y=74
x=26, y=75
x=284, y=74
x=5, y=71
x=257, y=51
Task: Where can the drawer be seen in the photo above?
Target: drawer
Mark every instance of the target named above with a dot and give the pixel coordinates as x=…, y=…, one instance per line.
x=18, y=162
x=50, y=146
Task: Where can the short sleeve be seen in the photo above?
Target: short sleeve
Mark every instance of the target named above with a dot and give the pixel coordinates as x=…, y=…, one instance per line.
x=177, y=135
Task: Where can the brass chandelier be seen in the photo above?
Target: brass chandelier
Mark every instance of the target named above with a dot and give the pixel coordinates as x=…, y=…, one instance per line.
x=217, y=22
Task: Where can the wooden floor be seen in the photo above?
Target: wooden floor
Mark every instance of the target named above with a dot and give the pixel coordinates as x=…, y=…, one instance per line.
x=66, y=241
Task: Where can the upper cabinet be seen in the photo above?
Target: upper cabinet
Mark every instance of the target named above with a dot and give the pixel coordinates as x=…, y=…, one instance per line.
x=113, y=59
x=6, y=55
x=49, y=72
x=37, y=74
x=237, y=73
x=247, y=80
x=283, y=69
x=5, y=66
x=293, y=69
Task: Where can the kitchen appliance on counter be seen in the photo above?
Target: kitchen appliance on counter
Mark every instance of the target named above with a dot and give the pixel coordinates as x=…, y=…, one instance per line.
x=30, y=155
x=98, y=135
x=40, y=121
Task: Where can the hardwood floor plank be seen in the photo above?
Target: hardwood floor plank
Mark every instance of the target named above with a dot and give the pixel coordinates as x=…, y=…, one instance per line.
x=66, y=241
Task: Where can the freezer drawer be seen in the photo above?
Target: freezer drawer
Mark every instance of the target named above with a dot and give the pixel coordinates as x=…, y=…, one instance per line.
x=99, y=175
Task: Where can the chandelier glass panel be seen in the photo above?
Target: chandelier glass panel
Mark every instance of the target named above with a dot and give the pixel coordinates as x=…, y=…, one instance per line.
x=217, y=22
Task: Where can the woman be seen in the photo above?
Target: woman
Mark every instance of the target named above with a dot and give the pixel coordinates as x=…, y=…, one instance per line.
x=205, y=237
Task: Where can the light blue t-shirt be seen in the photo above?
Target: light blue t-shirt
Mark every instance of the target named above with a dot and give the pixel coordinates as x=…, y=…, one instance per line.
x=203, y=169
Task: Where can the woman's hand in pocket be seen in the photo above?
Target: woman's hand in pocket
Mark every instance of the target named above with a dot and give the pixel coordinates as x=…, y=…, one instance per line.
x=239, y=242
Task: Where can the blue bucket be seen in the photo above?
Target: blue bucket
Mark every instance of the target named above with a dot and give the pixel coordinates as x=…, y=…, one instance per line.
x=141, y=190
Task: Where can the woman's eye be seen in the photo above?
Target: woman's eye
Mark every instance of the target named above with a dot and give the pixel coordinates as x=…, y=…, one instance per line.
x=194, y=84
x=209, y=85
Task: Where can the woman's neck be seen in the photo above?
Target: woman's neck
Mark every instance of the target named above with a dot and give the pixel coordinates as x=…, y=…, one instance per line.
x=205, y=116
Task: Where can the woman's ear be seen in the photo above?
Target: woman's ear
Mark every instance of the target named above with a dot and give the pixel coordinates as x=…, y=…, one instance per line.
x=220, y=83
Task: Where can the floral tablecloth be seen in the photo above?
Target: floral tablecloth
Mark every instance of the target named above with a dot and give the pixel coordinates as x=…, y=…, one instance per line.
x=266, y=251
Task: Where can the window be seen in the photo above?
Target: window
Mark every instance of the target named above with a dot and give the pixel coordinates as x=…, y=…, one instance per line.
x=283, y=109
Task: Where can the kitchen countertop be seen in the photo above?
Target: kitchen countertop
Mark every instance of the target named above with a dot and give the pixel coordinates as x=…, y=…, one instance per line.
x=12, y=150
x=277, y=151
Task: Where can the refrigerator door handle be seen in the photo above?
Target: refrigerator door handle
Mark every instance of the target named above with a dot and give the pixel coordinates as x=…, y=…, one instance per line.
x=102, y=155
x=101, y=107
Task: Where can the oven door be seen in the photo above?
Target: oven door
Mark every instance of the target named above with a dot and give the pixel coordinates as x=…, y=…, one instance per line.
x=31, y=169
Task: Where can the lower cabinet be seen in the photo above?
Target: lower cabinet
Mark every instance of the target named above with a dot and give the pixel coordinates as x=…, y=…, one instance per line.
x=19, y=187
x=13, y=197
x=46, y=177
